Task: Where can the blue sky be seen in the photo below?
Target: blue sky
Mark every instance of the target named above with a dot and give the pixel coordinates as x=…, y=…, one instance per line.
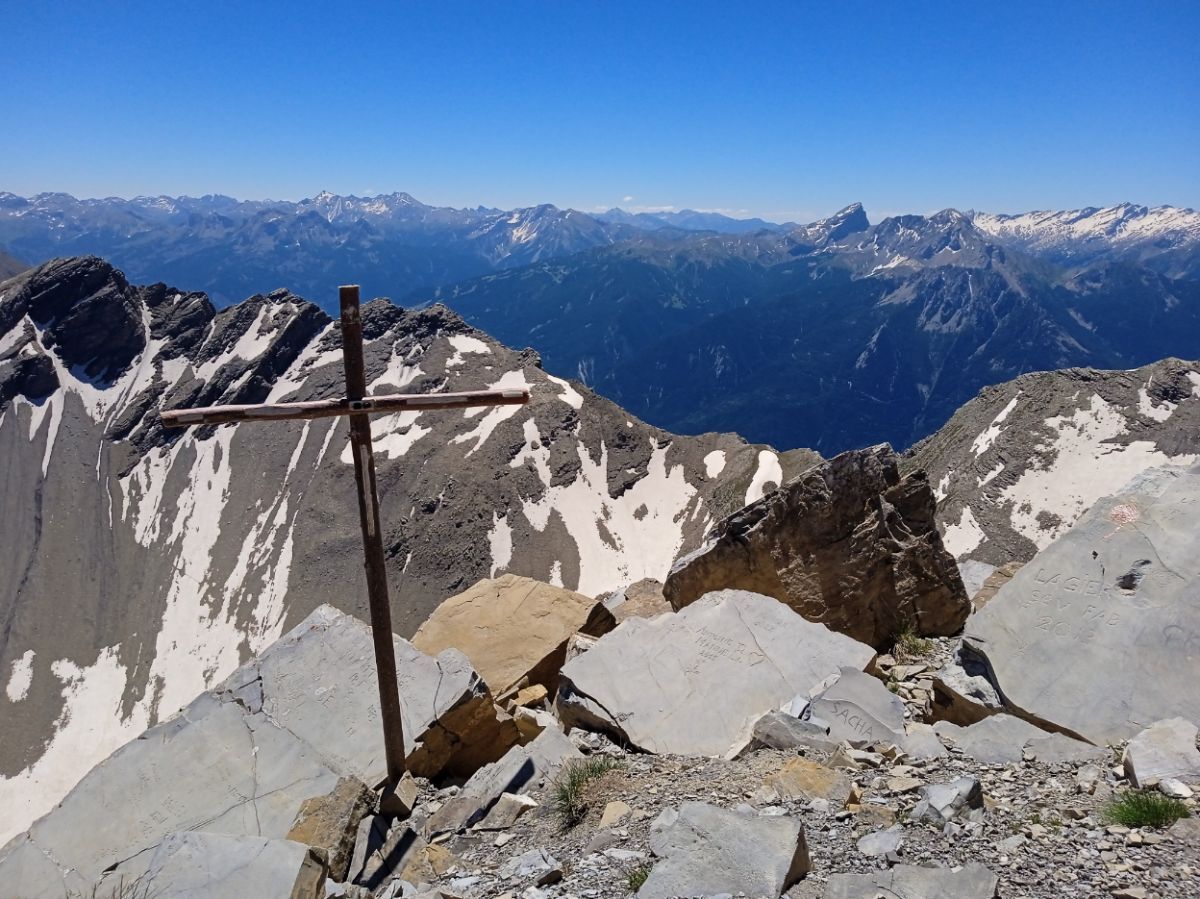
x=785, y=110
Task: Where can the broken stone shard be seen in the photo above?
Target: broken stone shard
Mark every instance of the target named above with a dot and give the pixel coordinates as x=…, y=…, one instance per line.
x=1166, y=750
x=694, y=683
x=942, y=803
x=216, y=866
x=1101, y=630
x=972, y=881
x=513, y=628
x=242, y=758
x=706, y=850
x=850, y=544
x=779, y=730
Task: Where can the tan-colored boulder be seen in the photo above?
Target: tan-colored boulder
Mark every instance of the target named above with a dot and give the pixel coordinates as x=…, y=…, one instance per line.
x=330, y=822
x=643, y=599
x=802, y=778
x=513, y=629
x=850, y=544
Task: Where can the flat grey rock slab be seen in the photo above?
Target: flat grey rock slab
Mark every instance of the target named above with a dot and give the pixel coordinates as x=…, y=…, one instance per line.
x=945, y=802
x=1002, y=739
x=860, y=710
x=323, y=670
x=242, y=758
x=881, y=843
x=694, y=683
x=219, y=866
x=921, y=742
x=1166, y=750
x=1099, y=634
x=912, y=882
x=706, y=850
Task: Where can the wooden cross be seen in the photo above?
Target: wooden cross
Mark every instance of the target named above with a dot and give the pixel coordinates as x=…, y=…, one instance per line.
x=357, y=405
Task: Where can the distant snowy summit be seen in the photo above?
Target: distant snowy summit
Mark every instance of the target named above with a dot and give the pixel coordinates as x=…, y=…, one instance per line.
x=1082, y=234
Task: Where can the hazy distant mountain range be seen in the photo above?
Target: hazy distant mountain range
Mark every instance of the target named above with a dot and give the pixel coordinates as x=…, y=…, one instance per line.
x=832, y=334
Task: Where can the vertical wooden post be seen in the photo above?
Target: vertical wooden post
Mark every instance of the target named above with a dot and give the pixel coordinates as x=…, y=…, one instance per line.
x=368, y=512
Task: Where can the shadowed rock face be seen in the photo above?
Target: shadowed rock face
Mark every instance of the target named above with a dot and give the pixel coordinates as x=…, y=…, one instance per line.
x=849, y=544
x=139, y=566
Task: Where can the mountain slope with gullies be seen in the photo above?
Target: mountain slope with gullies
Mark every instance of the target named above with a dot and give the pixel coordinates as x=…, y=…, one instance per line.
x=138, y=566
x=832, y=335
x=1015, y=467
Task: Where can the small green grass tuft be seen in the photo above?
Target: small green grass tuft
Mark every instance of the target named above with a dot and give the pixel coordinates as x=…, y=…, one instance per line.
x=569, y=791
x=909, y=644
x=635, y=878
x=1145, y=808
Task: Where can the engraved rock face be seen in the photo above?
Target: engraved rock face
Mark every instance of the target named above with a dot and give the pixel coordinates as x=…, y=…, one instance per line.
x=850, y=543
x=1100, y=633
x=859, y=709
x=244, y=757
x=694, y=683
x=513, y=627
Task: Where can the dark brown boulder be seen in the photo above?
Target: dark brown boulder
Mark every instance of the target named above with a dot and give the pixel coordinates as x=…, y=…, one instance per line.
x=850, y=544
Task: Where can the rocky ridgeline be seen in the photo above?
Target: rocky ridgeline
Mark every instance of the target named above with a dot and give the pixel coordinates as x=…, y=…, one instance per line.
x=741, y=745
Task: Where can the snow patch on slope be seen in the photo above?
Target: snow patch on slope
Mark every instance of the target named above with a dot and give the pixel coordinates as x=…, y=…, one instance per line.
x=644, y=523
x=1084, y=469
x=964, y=536
x=769, y=472
x=20, y=677
x=87, y=731
x=988, y=436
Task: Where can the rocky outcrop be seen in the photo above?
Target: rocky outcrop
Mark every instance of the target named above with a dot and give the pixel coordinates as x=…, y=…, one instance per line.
x=697, y=681
x=850, y=544
x=246, y=757
x=1099, y=633
x=513, y=629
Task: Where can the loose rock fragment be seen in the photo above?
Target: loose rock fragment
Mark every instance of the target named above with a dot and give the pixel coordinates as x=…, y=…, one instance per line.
x=707, y=851
x=1164, y=750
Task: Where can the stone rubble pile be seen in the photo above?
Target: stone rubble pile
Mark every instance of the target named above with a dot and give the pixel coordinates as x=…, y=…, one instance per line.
x=730, y=748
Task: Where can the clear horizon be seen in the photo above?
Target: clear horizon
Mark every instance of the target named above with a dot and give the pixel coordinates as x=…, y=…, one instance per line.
x=786, y=111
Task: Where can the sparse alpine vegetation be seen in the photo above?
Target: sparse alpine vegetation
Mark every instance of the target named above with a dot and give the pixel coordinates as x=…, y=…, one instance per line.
x=570, y=789
x=1145, y=808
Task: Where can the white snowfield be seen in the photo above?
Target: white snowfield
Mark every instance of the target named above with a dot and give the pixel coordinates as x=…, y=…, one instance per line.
x=1078, y=457
x=231, y=555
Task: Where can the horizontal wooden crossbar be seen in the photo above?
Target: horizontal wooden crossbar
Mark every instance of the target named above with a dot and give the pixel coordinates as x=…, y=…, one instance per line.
x=400, y=402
